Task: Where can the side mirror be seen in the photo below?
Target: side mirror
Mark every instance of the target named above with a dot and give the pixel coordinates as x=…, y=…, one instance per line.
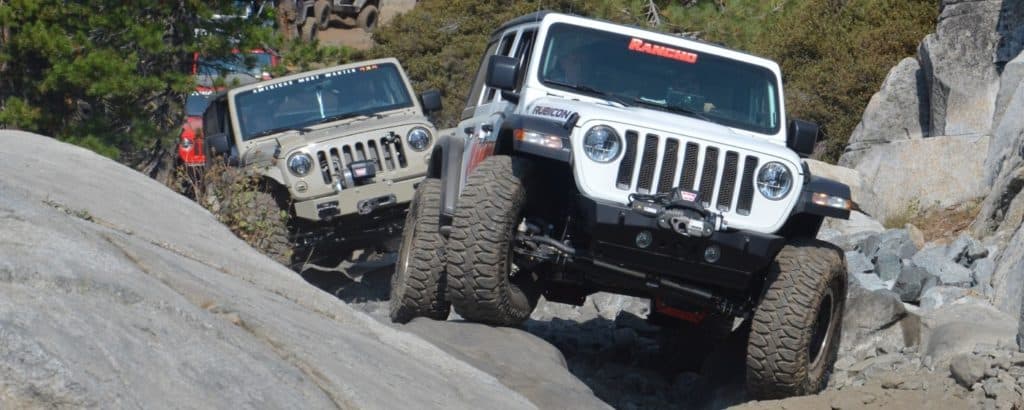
x=431, y=101
x=219, y=144
x=502, y=72
x=801, y=137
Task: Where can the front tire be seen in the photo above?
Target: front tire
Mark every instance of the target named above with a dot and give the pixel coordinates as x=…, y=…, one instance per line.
x=309, y=30
x=480, y=245
x=418, y=284
x=795, y=331
x=322, y=14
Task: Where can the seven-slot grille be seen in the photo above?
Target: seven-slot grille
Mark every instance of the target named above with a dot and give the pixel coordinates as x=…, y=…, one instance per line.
x=718, y=171
x=387, y=154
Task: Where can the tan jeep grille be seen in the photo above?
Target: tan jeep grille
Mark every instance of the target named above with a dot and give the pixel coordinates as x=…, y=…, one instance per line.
x=387, y=153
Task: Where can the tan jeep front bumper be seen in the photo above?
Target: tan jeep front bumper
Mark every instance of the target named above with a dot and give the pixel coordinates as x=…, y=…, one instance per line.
x=348, y=201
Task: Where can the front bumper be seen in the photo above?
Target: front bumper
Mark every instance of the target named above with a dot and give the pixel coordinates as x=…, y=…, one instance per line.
x=357, y=200
x=613, y=246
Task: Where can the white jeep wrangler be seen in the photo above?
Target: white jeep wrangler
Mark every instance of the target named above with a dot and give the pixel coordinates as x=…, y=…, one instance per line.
x=599, y=157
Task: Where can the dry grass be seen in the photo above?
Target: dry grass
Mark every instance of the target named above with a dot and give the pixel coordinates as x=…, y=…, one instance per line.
x=941, y=225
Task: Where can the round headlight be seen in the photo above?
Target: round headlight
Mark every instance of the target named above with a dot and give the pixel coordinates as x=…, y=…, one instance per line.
x=602, y=144
x=186, y=143
x=300, y=163
x=774, y=181
x=419, y=139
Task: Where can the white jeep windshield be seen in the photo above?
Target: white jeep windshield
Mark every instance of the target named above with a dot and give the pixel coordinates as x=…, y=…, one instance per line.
x=637, y=72
x=320, y=98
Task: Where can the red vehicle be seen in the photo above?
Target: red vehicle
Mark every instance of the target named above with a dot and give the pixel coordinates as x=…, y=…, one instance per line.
x=237, y=69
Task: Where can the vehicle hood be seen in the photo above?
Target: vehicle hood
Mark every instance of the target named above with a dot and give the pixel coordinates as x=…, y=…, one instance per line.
x=594, y=113
x=262, y=149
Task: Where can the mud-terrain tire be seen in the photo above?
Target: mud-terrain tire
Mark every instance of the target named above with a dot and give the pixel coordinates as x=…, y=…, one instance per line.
x=796, y=328
x=368, y=18
x=480, y=245
x=308, y=30
x=273, y=239
x=418, y=283
x=322, y=14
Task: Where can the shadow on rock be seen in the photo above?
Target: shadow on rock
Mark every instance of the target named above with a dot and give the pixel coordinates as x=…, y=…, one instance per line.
x=631, y=364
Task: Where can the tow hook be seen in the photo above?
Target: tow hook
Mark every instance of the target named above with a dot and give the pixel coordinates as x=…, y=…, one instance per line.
x=367, y=206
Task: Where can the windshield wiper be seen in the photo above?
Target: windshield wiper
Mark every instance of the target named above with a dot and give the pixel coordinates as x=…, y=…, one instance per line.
x=345, y=116
x=671, y=108
x=589, y=89
x=275, y=131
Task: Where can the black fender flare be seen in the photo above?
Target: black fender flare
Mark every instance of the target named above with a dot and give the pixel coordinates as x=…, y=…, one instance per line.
x=446, y=164
x=814, y=184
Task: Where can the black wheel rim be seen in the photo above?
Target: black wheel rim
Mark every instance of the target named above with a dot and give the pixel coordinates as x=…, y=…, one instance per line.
x=822, y=335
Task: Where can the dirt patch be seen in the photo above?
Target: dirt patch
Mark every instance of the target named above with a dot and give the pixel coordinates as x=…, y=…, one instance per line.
x=945, y=224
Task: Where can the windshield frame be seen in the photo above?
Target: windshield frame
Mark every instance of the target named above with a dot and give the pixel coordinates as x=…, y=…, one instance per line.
x=773, y=80
x=401, y=93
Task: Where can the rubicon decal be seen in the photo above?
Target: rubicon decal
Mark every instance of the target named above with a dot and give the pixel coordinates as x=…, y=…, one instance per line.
x=641, y=46
x=552, y=112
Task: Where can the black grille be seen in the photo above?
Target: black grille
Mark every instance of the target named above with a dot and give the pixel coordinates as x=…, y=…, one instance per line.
x=728, y=186
x=648, y=163
x=668, y=165
x=382, y=152
x=747, y=187
x=707, y=178
x=689, y=166
x=628, y=161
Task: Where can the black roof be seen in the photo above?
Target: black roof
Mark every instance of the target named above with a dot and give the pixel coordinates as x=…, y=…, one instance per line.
x=529, y=18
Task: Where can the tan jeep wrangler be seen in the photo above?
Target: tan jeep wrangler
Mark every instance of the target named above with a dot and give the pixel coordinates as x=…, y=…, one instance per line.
x=342, y=149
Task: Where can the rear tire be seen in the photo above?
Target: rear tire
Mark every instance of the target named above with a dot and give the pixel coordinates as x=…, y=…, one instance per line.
x=418, y=284
x=480, y=246
x=795, y=331
x=368, y=16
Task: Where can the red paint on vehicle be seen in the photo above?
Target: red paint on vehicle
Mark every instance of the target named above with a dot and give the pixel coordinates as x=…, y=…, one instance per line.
x=641, y=46
x=684, y=315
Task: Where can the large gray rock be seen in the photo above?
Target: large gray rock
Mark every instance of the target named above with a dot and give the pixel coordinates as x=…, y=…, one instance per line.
x=915, y=175
x=968, y=369
x=896, y=241
x=522, y=361
x=887, y=265
x=116, y=292
x=912, y=281
x=898, y=111
x=938, y=296
x=965, y=250
x=957, y=60
x=847, y=233
x=960, y=327
x=1008, y=280
x=876, y=318
x=1006, y=136
x=982, y=272
x=1009, y=85
x=936, y=261
x=856, y=262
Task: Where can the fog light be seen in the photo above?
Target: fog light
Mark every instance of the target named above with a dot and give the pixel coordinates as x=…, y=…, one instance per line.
x=644, y=239
x=712, y=254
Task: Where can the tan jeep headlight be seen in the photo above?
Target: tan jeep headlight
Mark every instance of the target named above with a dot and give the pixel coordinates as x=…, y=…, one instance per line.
x=418, y=138
x=300, y=163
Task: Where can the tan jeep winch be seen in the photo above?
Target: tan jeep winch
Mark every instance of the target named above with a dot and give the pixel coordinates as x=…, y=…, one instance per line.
x=344, y=146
